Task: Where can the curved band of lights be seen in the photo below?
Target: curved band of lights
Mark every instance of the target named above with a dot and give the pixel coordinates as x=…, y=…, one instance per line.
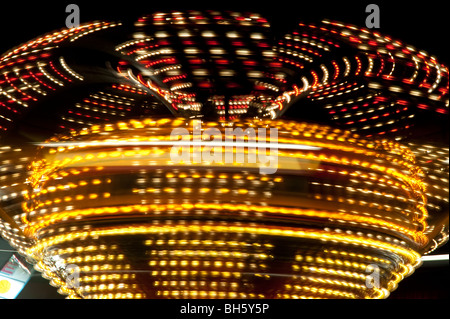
x=92, y=196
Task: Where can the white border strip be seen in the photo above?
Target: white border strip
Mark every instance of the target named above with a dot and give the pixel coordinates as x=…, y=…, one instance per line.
x=442, y=257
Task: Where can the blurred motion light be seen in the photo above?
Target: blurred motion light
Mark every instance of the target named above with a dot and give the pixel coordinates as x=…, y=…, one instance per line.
x=92, y=197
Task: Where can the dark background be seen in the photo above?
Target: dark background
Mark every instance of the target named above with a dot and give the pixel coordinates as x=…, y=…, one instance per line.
x=422, y=24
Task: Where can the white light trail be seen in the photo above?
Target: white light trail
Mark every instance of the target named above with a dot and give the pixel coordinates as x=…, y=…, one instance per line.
x=181, y=143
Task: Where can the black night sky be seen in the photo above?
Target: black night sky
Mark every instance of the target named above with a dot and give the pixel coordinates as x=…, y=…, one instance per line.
x=421, y=24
